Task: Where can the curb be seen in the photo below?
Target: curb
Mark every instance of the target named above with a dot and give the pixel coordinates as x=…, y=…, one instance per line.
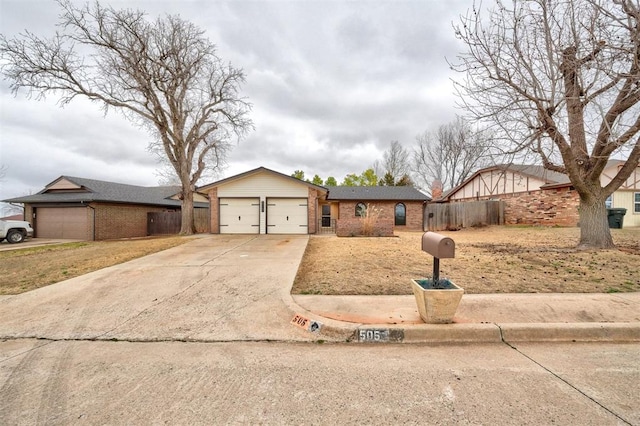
x=329, y=329
x=334, y=330
x=572, y=332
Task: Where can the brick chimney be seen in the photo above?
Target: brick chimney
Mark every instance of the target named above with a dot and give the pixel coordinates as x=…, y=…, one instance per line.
x=436, y=189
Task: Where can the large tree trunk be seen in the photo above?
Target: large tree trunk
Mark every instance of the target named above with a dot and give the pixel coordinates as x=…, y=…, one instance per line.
x=188, y=226
x=594, y=224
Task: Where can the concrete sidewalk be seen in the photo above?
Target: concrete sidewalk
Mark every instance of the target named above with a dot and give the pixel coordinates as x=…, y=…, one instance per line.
x=482, y=317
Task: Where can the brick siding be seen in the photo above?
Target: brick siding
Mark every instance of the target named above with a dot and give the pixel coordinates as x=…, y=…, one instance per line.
x=214, y=209
x=312, y=211
x=557, y=207
x=121, y=220
x=415, y=216
x=350, y=225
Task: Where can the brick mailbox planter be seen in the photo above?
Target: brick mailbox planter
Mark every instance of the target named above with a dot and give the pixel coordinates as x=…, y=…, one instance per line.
x=437, y=299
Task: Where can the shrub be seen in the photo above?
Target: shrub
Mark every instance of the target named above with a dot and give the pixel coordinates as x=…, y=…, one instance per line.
x=369, y=220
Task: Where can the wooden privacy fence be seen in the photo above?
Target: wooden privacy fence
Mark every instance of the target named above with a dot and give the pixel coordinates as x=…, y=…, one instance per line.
x=452, y=216
x=163, y=223
x=167, y=223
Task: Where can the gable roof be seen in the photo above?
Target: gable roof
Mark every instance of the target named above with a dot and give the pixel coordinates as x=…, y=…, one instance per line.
x=376, y=193
x=69, y=189
x=532, y=170
x=244, y=175
x=552, y=179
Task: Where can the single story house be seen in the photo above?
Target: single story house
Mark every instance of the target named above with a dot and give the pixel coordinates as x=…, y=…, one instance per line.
x=88, y=209
x=396, y=207
x=536, y=196
x=263, y=201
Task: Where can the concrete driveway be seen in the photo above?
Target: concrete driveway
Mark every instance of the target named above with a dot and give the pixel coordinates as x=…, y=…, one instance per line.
x=215, y=288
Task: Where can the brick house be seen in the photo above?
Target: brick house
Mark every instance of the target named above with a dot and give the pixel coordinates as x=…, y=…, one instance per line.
x=263, y=201
x=535, y=196
x=88, y=209
x=396, y=207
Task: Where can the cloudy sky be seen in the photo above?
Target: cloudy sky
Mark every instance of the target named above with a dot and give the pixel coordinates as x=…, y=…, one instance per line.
x=332, y=83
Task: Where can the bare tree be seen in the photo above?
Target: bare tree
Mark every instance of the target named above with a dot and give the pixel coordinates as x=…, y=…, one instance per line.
x=451, y=154
x=396, y=163
x=561, y=79
x=163, y=74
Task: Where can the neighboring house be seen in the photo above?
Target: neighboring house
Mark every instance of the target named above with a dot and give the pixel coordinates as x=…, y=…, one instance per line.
x=88, y=209
x=263, y=201
x=536, y=196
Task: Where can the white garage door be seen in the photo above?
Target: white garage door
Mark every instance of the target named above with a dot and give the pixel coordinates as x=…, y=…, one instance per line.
x=62, y=222
x=239, y=215
x=287, y=216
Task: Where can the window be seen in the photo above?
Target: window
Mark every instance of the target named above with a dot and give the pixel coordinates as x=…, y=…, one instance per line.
x=608, y=203
x=361, y=210
x=401, y=214
x=636, y=202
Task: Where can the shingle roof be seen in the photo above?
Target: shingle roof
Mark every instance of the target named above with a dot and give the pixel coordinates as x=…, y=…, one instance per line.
x=379, y=193
x=537, y=171
x=102, y=191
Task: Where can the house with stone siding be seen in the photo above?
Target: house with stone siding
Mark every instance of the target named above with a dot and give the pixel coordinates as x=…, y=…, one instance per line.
x=536, y=196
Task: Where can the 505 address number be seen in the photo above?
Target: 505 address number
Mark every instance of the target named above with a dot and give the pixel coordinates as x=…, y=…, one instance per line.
x=373, y=335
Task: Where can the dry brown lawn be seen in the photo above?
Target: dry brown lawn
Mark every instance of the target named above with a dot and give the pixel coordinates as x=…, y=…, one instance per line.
x=30, y=268
x=488, y=260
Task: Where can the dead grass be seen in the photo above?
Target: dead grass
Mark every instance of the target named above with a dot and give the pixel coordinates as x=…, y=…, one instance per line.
x=30, y=268
x=488, y=260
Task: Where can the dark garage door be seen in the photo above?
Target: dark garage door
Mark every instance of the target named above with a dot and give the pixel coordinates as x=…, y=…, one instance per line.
x=62, y=222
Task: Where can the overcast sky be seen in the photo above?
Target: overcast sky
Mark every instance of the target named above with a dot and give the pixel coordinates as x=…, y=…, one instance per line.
x=332, y=83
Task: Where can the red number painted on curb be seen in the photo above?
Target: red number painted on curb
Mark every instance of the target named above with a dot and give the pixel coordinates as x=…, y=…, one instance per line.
x=300, y=321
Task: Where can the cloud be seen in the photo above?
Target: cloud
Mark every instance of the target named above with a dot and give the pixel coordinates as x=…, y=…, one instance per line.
x=332, y=84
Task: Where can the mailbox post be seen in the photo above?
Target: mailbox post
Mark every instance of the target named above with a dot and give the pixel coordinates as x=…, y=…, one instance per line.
x=440, y=247
x=437, y=300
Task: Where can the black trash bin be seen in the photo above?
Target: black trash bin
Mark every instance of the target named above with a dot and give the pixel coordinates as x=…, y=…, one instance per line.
x=616, y=217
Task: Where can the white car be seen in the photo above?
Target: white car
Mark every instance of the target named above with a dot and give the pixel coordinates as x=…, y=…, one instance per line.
x=15, y=231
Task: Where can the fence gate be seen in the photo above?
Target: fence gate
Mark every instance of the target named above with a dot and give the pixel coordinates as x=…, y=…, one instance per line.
x=163, y=223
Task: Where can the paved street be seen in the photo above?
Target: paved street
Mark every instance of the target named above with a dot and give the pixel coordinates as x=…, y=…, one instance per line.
x=89, y=382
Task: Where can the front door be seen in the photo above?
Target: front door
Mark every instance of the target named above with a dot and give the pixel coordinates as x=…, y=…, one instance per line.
x=326, y=215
